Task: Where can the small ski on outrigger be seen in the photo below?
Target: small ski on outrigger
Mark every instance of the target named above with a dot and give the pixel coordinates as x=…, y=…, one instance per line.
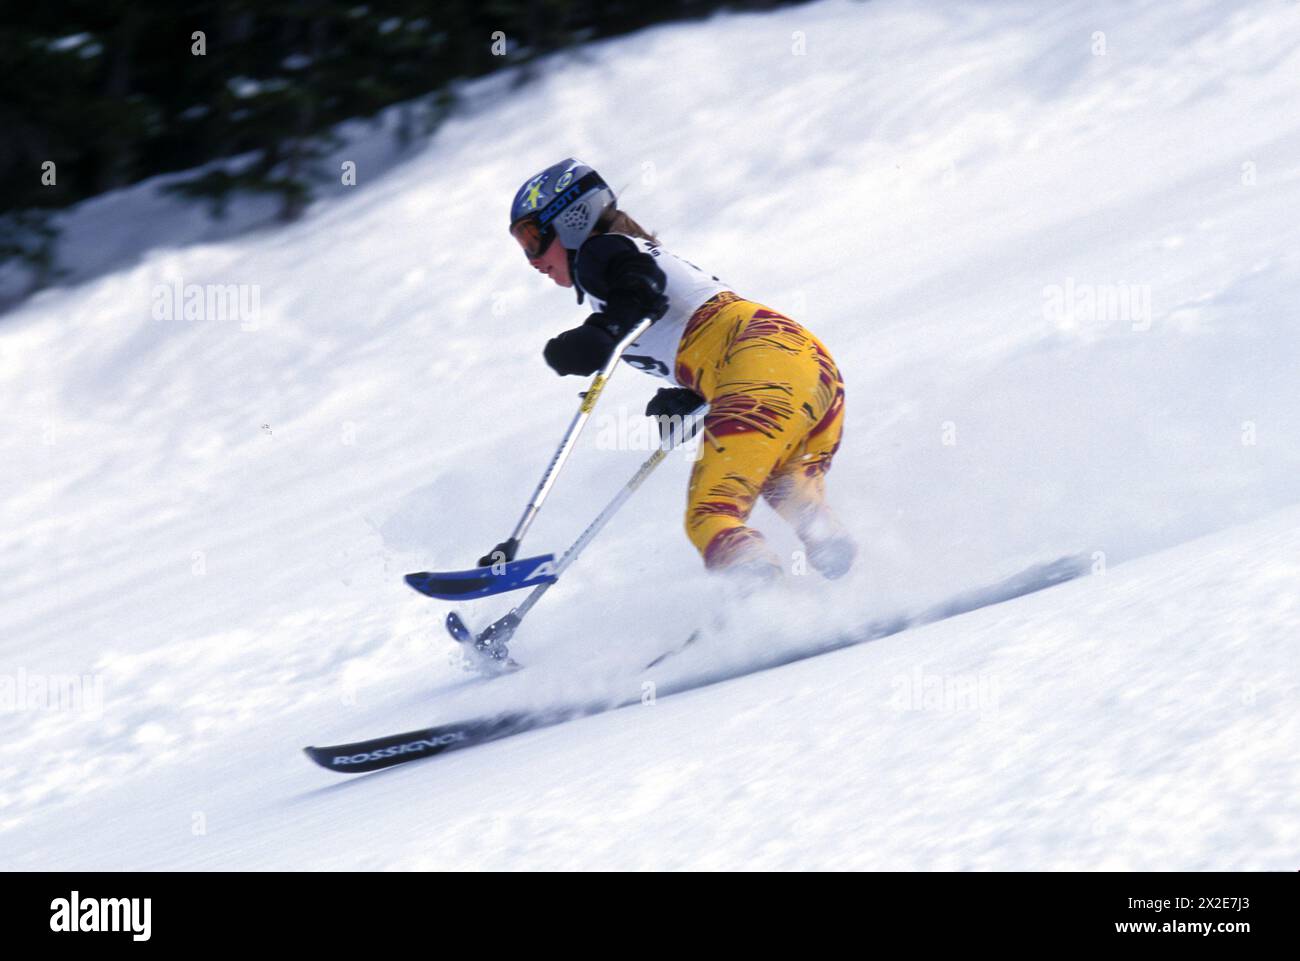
x=381, y=752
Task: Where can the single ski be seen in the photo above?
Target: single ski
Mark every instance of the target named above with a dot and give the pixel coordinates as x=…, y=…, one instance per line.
x=381, y=752
x=388, y=751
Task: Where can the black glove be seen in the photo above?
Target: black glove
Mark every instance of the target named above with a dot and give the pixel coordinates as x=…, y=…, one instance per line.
x=583, y=350
x=673, y=400
x=669, y=402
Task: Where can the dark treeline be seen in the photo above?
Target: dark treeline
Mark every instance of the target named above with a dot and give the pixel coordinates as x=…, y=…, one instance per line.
x=110, y=92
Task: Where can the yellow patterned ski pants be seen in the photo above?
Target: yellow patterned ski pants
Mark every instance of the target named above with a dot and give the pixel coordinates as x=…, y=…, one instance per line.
x=776, y=412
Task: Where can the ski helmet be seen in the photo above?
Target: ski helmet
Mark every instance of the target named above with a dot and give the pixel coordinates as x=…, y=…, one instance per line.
x=563, y=201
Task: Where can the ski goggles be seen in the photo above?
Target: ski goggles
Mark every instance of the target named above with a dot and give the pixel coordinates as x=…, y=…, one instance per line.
x=533, y=236
x=535, y=231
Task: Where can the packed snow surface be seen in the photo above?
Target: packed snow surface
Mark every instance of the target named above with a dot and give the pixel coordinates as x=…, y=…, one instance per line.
x=1055, y=250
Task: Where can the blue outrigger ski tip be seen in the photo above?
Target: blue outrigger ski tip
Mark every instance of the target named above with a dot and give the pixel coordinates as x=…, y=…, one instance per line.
x=485, y=581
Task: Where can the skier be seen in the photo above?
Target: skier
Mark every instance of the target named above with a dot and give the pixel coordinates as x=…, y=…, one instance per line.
x=775, y=396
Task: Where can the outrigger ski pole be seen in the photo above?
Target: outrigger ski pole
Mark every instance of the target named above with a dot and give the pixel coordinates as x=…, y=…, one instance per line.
x=491, y=642
x=507, y=549
x=499, y=570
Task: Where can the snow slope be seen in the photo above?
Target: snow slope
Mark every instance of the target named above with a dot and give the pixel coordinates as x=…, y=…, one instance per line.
x=209, y=518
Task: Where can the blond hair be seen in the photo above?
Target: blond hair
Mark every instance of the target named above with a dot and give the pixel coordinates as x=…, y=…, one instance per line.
x=615, y=221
